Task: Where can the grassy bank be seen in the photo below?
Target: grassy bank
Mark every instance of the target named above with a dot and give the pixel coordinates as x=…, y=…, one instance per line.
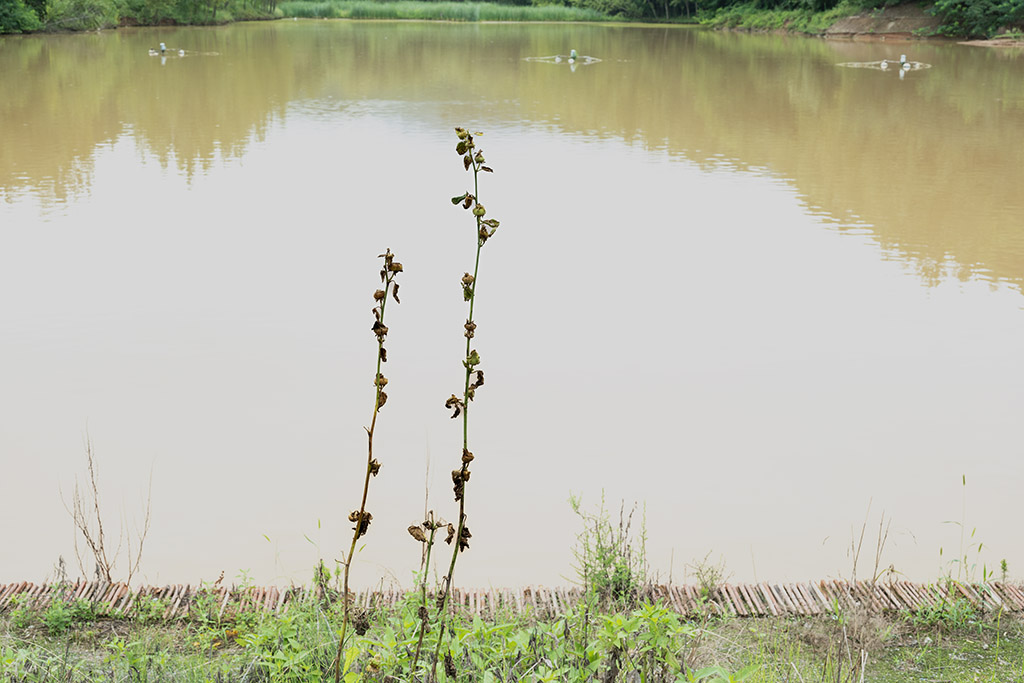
x=613, y=642
x=753, y=18
x=443, y=11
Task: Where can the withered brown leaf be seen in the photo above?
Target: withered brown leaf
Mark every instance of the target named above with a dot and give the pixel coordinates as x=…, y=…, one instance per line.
x=455, y=404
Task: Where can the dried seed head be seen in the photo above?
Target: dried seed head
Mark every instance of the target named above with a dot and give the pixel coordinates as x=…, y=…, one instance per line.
x=467, y=279
x=382, y=398
x=449, y=665
x=451, y=534
x=416, y=531
x=379, y=295
x=379, y=329
x=374, y=467
x=383, y=353
x=362, y=522
x=467, y=457
x=470, y=329
x=465, y=475
x=395, y=267
x=457, y=475
x=381, y=381
x=361, y=623
x=394, y=293
x=464, y=538
x=479, y=210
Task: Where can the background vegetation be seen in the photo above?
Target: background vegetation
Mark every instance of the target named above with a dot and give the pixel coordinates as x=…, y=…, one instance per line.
x=963, y=18
x=23, y=16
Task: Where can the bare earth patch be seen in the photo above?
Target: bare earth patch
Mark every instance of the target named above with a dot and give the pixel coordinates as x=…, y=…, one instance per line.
x=902, y=22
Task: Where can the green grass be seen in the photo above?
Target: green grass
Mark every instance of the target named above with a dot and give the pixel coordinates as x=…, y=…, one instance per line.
x=439, y=11
x=751, y=18
x=585, y=644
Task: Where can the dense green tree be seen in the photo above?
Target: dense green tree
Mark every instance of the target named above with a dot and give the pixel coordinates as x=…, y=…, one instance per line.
x=982, y=18
x=17, y=17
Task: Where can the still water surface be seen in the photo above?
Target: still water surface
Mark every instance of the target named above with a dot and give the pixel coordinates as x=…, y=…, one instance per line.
x=734, y=281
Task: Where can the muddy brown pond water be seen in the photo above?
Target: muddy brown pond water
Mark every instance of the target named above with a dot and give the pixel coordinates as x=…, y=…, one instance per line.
x=751, y=289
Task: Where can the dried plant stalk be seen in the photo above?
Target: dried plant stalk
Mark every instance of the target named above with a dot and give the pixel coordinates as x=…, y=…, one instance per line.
x=86, y=512
x=459, y=534
x=361, y=518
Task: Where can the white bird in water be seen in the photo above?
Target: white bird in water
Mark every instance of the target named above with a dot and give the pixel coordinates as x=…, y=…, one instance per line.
x=885, y=64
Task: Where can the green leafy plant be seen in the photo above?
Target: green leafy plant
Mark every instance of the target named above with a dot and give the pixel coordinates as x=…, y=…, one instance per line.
x=150, y=610
x=57, y=618
x=21, y=614
x=610, y=563
x=718, y=674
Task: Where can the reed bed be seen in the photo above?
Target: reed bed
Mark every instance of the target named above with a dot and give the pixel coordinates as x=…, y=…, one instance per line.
x=434, y=11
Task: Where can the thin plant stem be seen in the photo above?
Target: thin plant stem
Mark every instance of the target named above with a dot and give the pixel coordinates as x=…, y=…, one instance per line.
x=459, y=534
x=423, y=610
x=361, y=517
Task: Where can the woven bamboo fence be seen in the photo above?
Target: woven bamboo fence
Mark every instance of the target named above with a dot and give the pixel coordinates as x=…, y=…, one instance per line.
x=118, y=600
